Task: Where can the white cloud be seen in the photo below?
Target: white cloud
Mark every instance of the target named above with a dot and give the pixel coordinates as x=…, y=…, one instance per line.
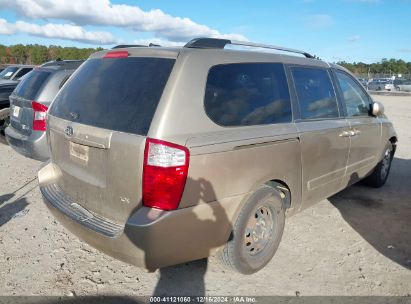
x=354, y=38
x=6, y=28
x=59, y=31
x=103, y=12
x=319, y=21
x=159, y=41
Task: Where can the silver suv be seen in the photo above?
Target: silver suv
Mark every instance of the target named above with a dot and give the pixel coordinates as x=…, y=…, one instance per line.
x=165, y=155
x=29, y=103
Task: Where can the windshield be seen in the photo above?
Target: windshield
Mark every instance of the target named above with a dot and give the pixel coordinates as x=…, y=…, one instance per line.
x=8, y=72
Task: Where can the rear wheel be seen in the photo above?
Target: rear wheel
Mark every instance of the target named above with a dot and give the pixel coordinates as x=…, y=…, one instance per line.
x=257, y=232
x=380, y=174
x=4, y=122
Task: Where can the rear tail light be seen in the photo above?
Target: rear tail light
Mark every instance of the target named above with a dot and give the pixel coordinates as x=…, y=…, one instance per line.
x=164, y=174
x=116, y=54
x=39, y=117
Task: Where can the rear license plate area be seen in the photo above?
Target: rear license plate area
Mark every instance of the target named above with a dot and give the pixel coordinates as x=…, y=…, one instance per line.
x=79, y=152
x=16, y=111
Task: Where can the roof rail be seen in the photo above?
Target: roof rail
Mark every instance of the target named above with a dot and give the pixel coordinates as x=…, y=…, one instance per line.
x=134, y=45
x=216, y=43
x=120, y=46
x=67, y=64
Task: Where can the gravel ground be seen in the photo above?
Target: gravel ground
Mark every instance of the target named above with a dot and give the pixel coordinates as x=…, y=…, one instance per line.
x=356, y=243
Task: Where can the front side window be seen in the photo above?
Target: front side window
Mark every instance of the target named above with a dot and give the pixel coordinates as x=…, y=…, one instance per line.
x=355, y=99
x=315, y=92
x=5, y=91
x=244, y=94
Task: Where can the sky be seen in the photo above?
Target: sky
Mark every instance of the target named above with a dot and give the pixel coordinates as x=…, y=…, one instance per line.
x=334, y=30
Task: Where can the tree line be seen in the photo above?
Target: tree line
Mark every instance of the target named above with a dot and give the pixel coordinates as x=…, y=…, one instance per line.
x=385, y=66
x=38, y=54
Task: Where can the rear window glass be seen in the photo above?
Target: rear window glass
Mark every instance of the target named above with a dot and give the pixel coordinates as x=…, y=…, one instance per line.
x=118, y=94
x=243, y=94
x=315, y=92
x=30, y=86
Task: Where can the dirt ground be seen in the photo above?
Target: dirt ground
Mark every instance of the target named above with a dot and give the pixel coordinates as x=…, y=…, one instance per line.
x=358, y=242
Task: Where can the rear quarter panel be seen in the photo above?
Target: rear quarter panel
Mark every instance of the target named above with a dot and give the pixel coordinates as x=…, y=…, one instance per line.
x=236, y=168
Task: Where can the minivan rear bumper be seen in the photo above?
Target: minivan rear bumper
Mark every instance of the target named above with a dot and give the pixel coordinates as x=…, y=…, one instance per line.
x=150, y=238
x=32, y=146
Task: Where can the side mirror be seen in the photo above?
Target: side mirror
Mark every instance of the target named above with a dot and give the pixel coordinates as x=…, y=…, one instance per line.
x=377, y=109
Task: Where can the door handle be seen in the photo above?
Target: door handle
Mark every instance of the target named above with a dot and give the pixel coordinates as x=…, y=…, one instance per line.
x=356, y=131
x=349, y=133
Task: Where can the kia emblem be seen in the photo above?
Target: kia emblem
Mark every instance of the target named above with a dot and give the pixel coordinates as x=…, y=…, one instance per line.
x=69, y=131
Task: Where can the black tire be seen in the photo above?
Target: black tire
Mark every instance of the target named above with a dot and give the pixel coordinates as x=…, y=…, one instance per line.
x=243, y=253
x=4, y=122
x=380, y=174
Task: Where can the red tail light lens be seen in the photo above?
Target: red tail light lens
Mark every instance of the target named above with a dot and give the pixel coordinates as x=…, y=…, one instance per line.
x=164, y=174
x=39, y=117
x=116, y=54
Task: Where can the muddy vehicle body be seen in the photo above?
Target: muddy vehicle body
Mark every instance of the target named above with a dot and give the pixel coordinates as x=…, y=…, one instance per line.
x=165, y=155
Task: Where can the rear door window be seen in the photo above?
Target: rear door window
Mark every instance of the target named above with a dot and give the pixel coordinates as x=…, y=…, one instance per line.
x=119, y=94
x=22, y=72
x=356, y=101
x=315, y=92
x=244, y=94
x=30, y=86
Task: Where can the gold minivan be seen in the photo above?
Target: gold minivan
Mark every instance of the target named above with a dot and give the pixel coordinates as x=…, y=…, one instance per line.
x=165, y=155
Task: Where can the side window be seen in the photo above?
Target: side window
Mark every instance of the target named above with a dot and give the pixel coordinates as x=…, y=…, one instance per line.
x=64, y=81
x=243, y=94
x=356, y=101
x=5, y=92
x=22, y=72
x=315, y=92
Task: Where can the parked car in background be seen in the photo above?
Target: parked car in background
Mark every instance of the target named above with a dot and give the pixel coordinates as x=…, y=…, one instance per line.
x=15, y=72
x=28, y=107
x=404, y=86
x=6, y=88
x=398, y=82
x=9, y=78
x=363, y=81
x=161, y=156
x=381, y=84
